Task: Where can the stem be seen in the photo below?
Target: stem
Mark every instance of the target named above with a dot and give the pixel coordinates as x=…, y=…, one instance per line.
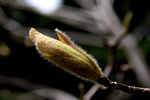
x=130, y=89
x=126, y=88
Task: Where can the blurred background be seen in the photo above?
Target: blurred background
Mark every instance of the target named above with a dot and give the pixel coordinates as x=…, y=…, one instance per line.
x=115, y=32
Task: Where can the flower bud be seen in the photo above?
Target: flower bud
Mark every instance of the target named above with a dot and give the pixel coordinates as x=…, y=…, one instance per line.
x=66, y=55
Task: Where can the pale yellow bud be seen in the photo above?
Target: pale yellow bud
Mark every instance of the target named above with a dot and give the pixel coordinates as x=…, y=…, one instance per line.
x=67, y=55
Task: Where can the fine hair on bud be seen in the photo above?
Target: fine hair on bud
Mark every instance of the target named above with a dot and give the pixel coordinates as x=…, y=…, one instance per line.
x=67, y=55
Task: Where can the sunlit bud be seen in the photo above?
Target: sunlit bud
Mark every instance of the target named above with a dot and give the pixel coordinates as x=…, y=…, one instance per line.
x=67, y=55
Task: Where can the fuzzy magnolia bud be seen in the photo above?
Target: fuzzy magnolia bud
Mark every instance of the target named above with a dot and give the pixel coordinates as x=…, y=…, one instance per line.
x=67, y=55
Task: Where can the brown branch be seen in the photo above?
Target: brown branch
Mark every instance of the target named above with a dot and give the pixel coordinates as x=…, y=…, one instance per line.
x=126, y=88
x=131, y=89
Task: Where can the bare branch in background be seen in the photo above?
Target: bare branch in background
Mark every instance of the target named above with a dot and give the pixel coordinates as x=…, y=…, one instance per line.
x=18, y=30
x=36, y=89
x=86, y=4
x=53, y=94
x=134, y=56
x=77, y=17
x=91, y=92
x=11, y=25
x=136, y=60
x=111, y=20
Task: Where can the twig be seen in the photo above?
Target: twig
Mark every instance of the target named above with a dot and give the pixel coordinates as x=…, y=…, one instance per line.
x=126, y=88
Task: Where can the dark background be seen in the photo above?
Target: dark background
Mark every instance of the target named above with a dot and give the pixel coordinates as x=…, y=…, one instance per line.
x=25, y=62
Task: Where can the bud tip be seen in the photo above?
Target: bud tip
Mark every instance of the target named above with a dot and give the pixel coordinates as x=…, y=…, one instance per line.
x=58, y=31
x=32, y=33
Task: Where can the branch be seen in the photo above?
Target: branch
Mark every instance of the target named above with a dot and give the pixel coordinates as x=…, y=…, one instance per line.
x=130, y=89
